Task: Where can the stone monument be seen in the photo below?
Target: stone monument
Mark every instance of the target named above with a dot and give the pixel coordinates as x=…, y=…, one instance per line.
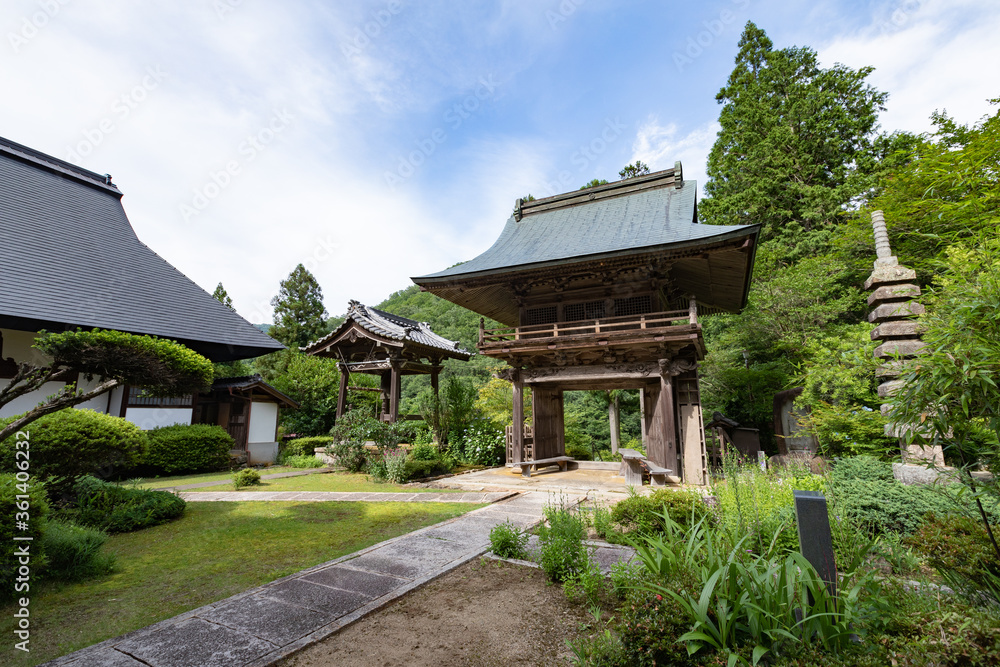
x=893, y=288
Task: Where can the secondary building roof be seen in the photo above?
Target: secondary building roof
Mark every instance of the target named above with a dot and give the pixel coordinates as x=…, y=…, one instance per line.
x=252, y=386
x=655, y=214
x=389, y=330
x=70, y=258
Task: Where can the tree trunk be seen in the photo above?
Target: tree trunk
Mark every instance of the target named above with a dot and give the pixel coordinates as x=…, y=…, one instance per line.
x=60, y=403
x=614, y=420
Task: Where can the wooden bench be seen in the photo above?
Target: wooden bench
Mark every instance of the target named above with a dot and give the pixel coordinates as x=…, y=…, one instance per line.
x=561, y=461
x=632, y=465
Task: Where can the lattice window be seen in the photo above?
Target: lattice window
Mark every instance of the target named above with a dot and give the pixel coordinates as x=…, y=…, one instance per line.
x=136, y=398
x=591, y=310
x=633, y=305
x=543, y=315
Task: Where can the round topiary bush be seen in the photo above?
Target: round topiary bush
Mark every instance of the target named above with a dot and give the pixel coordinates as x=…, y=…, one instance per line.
x=188, y=448
x=71, y=443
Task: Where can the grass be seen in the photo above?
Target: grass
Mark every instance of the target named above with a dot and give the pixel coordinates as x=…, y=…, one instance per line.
x=333, y=481
x=215, y=550
x=178, y=480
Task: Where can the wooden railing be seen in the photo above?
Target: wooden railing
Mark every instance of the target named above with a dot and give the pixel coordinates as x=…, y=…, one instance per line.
x=605, y=325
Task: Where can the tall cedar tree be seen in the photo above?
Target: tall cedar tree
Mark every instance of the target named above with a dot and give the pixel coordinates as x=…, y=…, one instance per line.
x=299, y=315
x=797, y=144
x=220, y=294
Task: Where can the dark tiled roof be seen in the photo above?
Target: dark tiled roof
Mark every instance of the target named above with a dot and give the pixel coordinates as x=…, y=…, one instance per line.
x=245, y=382
x=392, y=327
x=604, y=220
x=70, y=258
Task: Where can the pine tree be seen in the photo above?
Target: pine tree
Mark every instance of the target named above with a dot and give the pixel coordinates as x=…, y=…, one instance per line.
x=797, y=146
x=640, y=168
x=299, y=315
x=222, y=296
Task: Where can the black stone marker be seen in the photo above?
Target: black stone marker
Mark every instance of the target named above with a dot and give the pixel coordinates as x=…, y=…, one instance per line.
x=815, y=539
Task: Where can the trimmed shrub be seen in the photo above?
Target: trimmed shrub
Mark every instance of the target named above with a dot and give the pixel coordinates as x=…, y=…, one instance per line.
x=245, y=477
x=304, y=461
x=70, y=443
x=35, y=509
x=866, y=468
x=74, y=552
x=122, y=509
x=304, y=446
x=189, y=448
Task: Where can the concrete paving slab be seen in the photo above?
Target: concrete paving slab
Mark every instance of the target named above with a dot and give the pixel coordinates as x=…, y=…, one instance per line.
x=331, y=601
x=196, y=642
x=359, y=581
x=606, y=557
x=105, y=656
x=278, y=622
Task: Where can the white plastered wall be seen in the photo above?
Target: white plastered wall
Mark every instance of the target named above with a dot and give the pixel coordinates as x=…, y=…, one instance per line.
x=261, y=444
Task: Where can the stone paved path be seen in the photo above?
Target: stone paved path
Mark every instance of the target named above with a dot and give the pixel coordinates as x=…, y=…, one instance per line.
x=262, y=625
x=345, y=496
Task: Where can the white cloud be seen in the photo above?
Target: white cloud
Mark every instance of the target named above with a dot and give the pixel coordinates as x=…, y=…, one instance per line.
x=660, y=146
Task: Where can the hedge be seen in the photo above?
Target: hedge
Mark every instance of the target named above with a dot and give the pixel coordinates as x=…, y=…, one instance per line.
x=123, y=509
x=71, y=443
x=33, y=511
x=305, y=446
x=188, y=448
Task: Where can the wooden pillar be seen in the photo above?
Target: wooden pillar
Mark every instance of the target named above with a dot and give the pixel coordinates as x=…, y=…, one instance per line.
x=668, y=407
x=342, y=393
x=394, y=391
x=517, y=434
x=661, y=423
x=436, y=417
x=385, y=385
x=547, y=417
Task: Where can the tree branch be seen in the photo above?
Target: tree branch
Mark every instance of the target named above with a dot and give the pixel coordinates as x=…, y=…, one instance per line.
x=55, y=404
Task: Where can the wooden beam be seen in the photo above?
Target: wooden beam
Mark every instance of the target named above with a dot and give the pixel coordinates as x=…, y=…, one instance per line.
x=394, y=391
x=517, y=437
x=342, y=393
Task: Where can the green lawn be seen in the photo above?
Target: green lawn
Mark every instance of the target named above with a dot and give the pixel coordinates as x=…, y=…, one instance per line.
x=162, y=482
x=334, y=481
x=213, y=551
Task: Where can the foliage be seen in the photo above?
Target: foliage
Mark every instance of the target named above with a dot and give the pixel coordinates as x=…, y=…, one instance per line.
x=587, y=585
x=508, y=541
x=425, y=452
x=301, y=461
x=862, y=468
x=482, y=443
x=809, y=134
x=593, y=183
x=299, y=314
x=960, y=549
x=395, y=466
x=35, y=509
x=953, y=389
x=71, y=443
x=74, y=552
x=563, y=554
x=188, y=448
x=640, y=168
x=350, y=454
x=305, y=446
x=161, y=367
x=839, y=392
x=425, y=460
x=458, y=408
x=245, y=477
x=122, y=509
x=222, y=296
x=644, y=514
x=495, y=402
x=313, y=382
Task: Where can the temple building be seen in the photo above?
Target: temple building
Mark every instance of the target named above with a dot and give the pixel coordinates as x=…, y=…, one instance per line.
x=602, y=288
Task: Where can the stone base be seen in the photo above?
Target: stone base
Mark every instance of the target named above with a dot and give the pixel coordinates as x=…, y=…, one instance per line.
x=919, y=453
x=817, y=464
x=918, y=474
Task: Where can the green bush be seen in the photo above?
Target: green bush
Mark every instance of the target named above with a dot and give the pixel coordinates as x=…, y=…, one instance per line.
x=483, y=444
x=304, y=461
x=74, y=552
x=35, y=509
x=122, y=509
x=579, y=452
x=185, y=448
x=305, y=446
x=395, y=466
x=642, y=514
x=245, y=477
x=563, y=554
x=959, y=548
x=350, y=454
x=421, y=469
x=866, y=468
x=508, y=541
x=70, y=443
x=424, y=452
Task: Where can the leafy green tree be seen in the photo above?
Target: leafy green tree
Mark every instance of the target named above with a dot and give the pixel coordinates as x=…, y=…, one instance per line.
x=162, y=367
x=594, y=183
x=797, y=144
x=640, y=168
x=299, y=314
x=222, y=296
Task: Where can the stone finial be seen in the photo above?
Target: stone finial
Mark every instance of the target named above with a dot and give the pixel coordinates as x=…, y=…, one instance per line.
x=882, y=249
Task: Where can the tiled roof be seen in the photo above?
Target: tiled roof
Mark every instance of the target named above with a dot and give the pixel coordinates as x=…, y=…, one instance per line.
x=245, y=382
x=70, y=258
x=392, y=327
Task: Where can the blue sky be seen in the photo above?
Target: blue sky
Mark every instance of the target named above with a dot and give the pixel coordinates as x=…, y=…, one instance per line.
x=374, y=141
